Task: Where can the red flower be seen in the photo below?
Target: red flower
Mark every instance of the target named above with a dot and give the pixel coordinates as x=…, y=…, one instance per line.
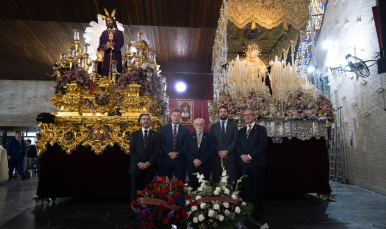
x=143, y=224
x=179, y=184
x=160, y=179
x=130, y=226
x=132, y=203
x=187, y=196
x=191, y=204
x=165, y=220
x=170, y=200
x=150, y=225
x=156, y=185
x=177, y=216
x=177, y=193
x=149, y=192
x=167, y=188
x=143, y=214
x=150, y=184
x=184, y=214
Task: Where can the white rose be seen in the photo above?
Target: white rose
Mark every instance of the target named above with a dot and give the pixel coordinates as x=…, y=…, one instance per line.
x=216, y=206
x=216, y=193
x=211, y=213
x=227, y=191
x=234, y=197
x=237, y=210
x=226, y=204
x=227, y=212
x=195, y=220
x=221, y=218
x=198, y=197
x=200, y=189
x=194, y=208
x=243, y=203
x=201, y=217
x=202, y=205
x=218, y=189
x=190, y=188
x=187, y=202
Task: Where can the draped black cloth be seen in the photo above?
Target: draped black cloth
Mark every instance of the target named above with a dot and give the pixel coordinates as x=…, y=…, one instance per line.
x=293, y=166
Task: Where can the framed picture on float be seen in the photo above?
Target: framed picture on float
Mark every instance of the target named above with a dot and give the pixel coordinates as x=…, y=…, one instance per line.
x=186, y=107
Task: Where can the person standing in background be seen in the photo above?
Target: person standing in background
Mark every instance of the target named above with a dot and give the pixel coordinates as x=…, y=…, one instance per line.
x=16, y=151
x=32, y=156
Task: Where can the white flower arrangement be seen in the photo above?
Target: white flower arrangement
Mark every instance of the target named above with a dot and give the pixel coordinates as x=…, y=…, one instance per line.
x=213, y=211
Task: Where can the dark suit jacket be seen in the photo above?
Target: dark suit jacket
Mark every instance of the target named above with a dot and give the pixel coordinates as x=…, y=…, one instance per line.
x=14, y=149
x=254, y=146
x=140, y=152
x=167, y=143
x=204, y=153
x=230, y=140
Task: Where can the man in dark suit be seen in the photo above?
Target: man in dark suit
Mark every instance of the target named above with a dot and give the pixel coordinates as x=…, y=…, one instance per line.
x=250, y=146
x=145, y=147
x=225, y=134
x=172, y=141
x=198, y=148
x=16, y=151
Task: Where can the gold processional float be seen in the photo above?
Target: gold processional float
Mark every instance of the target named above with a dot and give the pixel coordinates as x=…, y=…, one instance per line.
x=99, y=111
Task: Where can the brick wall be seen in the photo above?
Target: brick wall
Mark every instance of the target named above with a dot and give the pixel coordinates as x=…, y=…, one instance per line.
x=22, y=100
x=349, y=28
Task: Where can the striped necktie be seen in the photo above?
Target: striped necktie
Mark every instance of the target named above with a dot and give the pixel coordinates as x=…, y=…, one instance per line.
x=175, y=139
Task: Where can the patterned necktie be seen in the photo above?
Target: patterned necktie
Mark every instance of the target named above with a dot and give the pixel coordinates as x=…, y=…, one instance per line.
x=249, y=130
x=18, y=140
x=144, y=138
x=175, y=139
x=199, y=138
x=223, y=133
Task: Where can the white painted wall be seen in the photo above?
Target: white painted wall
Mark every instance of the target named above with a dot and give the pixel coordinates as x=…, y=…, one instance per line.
x=349, y=25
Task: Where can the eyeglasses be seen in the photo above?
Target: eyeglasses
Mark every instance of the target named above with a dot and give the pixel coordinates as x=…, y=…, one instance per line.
x=199, y=124
x=247, y=115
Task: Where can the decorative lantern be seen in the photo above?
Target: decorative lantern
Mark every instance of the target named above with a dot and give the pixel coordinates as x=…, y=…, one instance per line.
x=76, y=35
x=85, y=48
x=94, y=66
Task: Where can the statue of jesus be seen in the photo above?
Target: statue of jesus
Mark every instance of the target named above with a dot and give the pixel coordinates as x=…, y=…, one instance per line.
x=111, y=40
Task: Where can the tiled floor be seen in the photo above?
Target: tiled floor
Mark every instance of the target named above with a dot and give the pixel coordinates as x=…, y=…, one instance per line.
x=354, y=208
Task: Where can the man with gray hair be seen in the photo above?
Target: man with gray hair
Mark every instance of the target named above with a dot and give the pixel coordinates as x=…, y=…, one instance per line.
x=198, y=148
x=250, y=146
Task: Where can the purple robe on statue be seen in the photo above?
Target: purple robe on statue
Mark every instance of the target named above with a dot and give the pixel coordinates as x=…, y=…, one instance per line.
x=118, y=40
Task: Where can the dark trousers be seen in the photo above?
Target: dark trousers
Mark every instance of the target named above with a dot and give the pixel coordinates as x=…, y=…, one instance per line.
x=253, y=185
x=202, y=169
x=19, y=164
x=231, y=168
x=178, y=167
x=140, y=181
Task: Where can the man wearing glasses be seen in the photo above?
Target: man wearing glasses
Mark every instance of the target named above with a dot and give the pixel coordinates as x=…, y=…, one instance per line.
x=198, y=149
x=250, y=146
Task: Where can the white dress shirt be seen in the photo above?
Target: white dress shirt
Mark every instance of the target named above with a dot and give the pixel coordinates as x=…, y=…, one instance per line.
x=176, y=128
x=225, y=124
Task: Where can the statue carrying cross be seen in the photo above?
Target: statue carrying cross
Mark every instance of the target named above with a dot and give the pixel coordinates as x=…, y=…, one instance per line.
x=111, y=41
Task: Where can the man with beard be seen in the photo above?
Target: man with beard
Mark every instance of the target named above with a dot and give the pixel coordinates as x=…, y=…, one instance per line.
x=225, y=135
x=145, y=145
x=111, y=40
x=198, y=149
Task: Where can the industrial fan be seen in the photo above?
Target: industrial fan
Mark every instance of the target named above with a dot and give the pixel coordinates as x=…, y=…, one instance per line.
x=356, y=66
